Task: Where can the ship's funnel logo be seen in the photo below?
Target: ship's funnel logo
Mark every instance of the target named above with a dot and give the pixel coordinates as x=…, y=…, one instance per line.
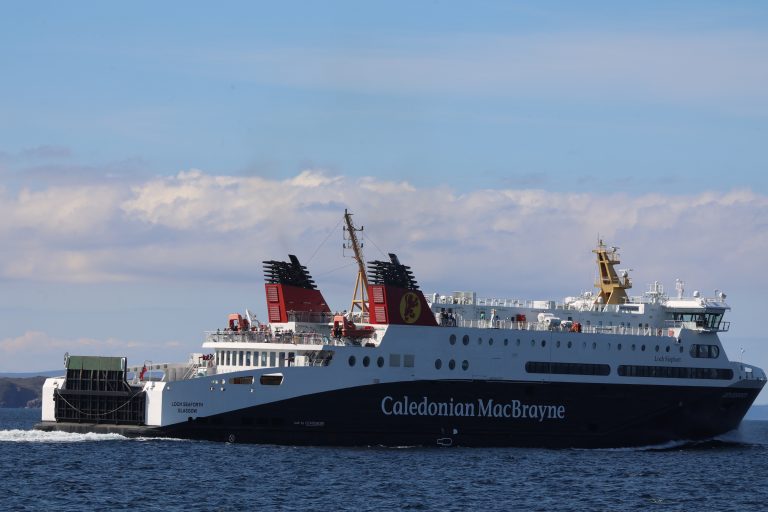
x=410, y=307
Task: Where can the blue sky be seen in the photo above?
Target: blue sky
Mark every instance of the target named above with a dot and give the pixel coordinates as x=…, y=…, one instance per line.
x=152, y=154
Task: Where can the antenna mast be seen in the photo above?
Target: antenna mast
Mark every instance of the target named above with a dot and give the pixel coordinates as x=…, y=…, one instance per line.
x=359, y=297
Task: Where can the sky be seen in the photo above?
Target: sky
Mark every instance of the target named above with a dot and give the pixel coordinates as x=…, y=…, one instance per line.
x=152, y=155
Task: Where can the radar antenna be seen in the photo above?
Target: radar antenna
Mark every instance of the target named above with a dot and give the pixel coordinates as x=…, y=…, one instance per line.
x=359, y=297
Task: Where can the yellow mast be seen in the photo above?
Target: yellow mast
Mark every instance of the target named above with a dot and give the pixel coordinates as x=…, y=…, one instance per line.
x=612, y=286
x=360, y=296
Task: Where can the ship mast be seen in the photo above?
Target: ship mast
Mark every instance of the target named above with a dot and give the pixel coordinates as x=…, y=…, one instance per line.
x=359, y=297
x=612, y=285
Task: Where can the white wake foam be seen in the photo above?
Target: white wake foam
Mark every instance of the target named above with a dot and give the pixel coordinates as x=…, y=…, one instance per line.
x=38, y=436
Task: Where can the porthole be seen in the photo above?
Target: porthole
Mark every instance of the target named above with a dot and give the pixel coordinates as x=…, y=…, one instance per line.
x=380, y=362
x=351, y=360
x=490, y=341
x=465, y=339
x=518, y=342
x=583, y=344
x=633, y=346
x=594, y=345
x=479, y=341
x=451, y=364
x=618, y=347
x=642, y=348
x=543, y=343
x=657, y=348
x=506, y=342
x=667, y=348
x=464, y=365
x=533, y=343
x=438, y=364
x=557, y=344
x=366, y=361
x=570, y=344
x=452, y=339
x=681, y=349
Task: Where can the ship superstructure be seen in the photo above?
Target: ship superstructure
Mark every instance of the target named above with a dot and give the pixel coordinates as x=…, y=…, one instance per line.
x=599, y=369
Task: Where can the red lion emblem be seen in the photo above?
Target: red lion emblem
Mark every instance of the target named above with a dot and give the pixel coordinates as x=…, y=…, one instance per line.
x=410, y=307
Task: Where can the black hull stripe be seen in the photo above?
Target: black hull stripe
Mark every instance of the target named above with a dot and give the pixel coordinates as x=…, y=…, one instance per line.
x=473, y=413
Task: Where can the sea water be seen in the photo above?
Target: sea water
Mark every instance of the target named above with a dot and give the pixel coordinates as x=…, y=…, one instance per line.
x=61, y=472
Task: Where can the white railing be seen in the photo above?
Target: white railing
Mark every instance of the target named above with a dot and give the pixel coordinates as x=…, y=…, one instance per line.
x=303, y=338
x=169, y=372
x=540, y=326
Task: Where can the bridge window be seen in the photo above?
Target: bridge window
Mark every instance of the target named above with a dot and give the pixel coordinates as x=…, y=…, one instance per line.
x=705, y=320
x=394, y=360
x=408, y=360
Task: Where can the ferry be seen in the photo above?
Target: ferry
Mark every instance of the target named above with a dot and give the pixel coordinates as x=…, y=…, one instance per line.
x=404, y=368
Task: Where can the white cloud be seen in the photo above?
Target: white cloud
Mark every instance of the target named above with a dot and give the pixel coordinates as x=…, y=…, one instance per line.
x=198, y=225
x=61, y=211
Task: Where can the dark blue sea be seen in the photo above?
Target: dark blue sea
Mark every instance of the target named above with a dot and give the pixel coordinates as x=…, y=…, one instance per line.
x=63, y=472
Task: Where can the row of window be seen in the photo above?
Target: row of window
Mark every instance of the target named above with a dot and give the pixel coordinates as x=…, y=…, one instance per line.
x=629, y=370
x=451, y=364
x=567, y=368
x=558, y=344
x=708, y=351
x=246, y=357
x=408, y=361
x=672, y=372
x=264, y=380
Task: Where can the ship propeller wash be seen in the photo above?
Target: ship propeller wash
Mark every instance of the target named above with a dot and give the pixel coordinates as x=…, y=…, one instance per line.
x=600, y=369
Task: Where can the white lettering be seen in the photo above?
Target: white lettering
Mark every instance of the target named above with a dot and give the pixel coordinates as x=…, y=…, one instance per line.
x=384, y=405
x=488, y=408
x=485, y=408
